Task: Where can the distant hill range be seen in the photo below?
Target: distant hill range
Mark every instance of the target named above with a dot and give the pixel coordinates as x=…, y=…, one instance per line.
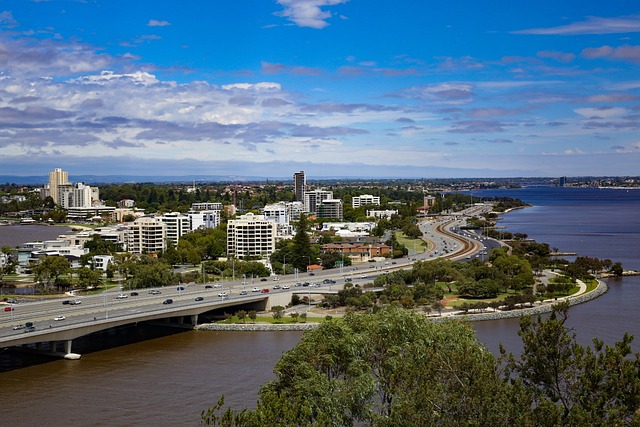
x=112, y=179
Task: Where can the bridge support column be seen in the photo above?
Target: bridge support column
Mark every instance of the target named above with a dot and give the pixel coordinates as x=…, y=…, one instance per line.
x=67, y=351
x=52, y=345
x=194, y=320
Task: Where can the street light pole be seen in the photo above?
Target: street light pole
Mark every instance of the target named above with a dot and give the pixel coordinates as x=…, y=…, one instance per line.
x=284, y=265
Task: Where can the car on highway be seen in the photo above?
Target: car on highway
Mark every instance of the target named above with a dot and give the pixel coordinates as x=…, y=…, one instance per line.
x=134, y=294
x=8, y=308
x=348, y=279
x=255, y=289
x=18, y=327
x=208, y=287
x=59, y=318
x=66, y=302
x=168, y=301
x=265, y=291
x=286, y=287
x=217, y=285
x=122, y=296
x=75, y=302
x=243, y=292
x=264, y=279
x=223, y=294
x=29, y=328
x=155, y=292
x=180, y=288
x=276, y=286
x=199, y=298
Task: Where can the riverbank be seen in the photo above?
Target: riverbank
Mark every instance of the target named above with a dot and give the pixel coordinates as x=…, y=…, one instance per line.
x=543, y=307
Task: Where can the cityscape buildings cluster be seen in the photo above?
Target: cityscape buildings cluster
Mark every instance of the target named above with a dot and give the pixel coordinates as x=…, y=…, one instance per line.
x=248, y=235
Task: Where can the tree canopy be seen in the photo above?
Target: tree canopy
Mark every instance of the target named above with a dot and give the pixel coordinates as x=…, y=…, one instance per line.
x=397, y=368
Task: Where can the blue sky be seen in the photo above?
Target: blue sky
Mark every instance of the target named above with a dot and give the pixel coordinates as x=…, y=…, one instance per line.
x=362, y=88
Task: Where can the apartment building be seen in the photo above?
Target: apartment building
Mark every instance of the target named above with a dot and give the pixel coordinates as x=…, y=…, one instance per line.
x=330, y=208
x=176, y=224
x=312, y=199
x=251, y=235
x=365, y=199
x=146, y=235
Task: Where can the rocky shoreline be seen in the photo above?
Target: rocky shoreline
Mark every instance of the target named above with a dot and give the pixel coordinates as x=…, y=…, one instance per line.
x=544, y=307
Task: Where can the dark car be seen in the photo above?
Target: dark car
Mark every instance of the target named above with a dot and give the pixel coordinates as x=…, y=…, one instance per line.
x=208, y=287
x=168, y=301
x=200, y=299
x=65, y=302
x=264, y=279
x=134, y=294
x=180, y=288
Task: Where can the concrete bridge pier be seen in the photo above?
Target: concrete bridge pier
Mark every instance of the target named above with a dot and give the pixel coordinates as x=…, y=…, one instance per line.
x=67, y=351
x=194, y=320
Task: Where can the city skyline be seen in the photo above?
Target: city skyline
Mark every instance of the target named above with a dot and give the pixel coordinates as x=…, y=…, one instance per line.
x=332, y=87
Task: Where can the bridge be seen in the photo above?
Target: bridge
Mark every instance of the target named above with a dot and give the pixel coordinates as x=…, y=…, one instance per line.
x=105, y=311
x=78, y=322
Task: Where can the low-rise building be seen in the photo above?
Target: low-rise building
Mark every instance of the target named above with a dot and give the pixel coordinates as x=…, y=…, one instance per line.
x=365, y=199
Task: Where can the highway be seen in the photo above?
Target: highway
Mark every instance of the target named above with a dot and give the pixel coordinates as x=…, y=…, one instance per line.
x=445, y=237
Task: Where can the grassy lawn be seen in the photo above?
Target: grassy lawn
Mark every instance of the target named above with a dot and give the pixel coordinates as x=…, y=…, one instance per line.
x=417, y=245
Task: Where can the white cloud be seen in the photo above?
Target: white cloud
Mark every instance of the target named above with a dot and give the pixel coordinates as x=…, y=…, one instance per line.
x=157, y=23
x=307, y=13
x=593, y=25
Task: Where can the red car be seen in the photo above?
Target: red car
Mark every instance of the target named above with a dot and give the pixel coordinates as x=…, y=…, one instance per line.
x=265, y=290
x=9, y=308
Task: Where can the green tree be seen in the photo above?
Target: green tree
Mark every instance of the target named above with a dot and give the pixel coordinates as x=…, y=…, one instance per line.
x=50, y=268
x=277, y=312
x=302, y=253
x=572, y=385
x=391, y=368
x=253, y=315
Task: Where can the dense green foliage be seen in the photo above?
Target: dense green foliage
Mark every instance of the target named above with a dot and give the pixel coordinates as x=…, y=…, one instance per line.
x=395, y=368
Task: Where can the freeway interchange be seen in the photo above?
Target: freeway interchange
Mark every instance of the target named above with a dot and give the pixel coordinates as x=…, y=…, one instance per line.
x=445, y=239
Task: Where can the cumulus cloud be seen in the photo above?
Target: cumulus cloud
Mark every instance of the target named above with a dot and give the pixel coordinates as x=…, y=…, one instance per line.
x=157, y=23
x=445, y=93
x=7, y=20
x=307, y=13
x=558, y=56
x=621, y=53
x=592, y=25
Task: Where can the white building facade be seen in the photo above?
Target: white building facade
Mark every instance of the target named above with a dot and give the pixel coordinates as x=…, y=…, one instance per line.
x=365, y=199
x=251, y=235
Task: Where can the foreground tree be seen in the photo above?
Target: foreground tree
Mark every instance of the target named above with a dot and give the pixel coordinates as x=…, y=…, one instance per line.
x=385, y=369
x=572, y=385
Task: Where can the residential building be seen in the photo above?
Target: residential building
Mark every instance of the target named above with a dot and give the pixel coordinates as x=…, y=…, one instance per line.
x=204, y=219
x=299, y=185
x=146, y=235
x=57, y=178
x=388, y=213
x=177, y=225
x=330, y=208
x=251, y=235
x=365, y=199
x=278, y=212
x=101, y=262
x=206, y=206
x=312, y=199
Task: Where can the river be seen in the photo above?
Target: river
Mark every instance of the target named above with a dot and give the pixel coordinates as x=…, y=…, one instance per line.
x=168, y=381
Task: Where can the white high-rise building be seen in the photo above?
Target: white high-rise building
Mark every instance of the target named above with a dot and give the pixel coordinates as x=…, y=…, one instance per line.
x=313, y=198
x=251, y=235
x=177, y=225
x=57, y=178
x=204, y=219
x=365, y=199
x=146, y=235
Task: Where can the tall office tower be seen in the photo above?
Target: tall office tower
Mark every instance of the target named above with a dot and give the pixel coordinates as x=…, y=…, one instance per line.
x=299, y=185
x=57, y=178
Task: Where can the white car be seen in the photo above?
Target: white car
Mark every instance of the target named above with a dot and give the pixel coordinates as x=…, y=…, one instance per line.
x=286, y=287
x=223, y=294
x=122, y=296
x=75, y=302
x=255, y=289
x=58, y=318
x=217, y=285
